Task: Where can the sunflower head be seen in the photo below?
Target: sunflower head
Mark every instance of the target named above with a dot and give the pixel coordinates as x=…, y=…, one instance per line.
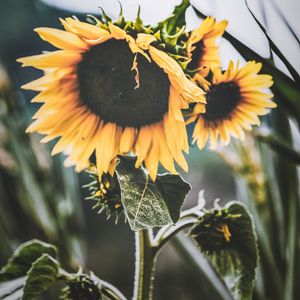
x=105, y=193
x=235, y=99
x=215, y=230
x=111, y=90
x=201, y=48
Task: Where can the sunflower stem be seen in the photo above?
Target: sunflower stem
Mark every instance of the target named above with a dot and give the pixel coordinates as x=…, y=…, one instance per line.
x=144, y=266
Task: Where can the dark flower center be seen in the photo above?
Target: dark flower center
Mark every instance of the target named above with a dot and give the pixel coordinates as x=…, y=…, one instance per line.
x=196, y=56
x=108, y=87
x=222, y=99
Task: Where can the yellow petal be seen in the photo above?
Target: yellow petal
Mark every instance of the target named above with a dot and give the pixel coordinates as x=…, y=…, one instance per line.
x=165, y=156
x=107, y=147
x=83, y=29
x=143, y=143
x=144, y=40
x=176, y=146
x=55, y=59
x=43, y=83
x=117, y=32
x=61, y=39
x=189, y=90
x=134, y=47
x=127, y=139
x=151, y=160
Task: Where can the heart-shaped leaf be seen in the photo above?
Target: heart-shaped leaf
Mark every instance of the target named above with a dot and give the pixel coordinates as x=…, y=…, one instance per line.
x=42, y=274
x=24, y=256
x=147, y=203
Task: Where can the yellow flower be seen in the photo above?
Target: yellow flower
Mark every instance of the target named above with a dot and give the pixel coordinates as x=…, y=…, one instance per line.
x=107, y=93
x=234, y=101
x=201, y=46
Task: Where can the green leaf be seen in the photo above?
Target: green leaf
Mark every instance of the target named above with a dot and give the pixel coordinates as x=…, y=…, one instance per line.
x=280, y=146
x=174, y=190
x=34, y=268
x=42, y=274
x=147, y=203
x=177, y=19
x=227, y=237
x=24, y=256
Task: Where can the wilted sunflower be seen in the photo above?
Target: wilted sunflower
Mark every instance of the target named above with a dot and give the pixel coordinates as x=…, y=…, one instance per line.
x=234, y=101
x=201, y=46
x=108, y=93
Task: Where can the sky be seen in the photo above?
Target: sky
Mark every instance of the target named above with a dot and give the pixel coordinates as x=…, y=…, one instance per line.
x=241, y=24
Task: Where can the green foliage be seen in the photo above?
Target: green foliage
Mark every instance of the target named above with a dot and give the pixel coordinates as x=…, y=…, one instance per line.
x=147, y=203
x=28, y=204
x=34, y=268
x=24, y=256
x=227, y=237
x=280, y=146
x=29, y=271
x=177, y=19
x=42, y=274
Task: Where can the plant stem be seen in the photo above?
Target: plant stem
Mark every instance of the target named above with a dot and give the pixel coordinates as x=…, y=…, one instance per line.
x=145, y=257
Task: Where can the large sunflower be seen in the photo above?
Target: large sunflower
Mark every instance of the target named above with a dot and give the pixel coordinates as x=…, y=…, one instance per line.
x=201, y=46
x=108, y=93
x=234, y=101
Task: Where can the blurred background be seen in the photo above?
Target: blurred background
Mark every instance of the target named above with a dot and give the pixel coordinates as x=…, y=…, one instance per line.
x=39, y=198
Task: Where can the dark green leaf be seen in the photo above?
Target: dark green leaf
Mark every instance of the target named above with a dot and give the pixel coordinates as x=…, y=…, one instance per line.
x=147, y=203
x=233, y=253
x=24, y=256
x=281, y=147
x=34, y=268
x=174, y=191
x=42, y=274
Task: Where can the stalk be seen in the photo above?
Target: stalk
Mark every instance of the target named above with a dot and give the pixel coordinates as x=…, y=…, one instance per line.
x=144, y=266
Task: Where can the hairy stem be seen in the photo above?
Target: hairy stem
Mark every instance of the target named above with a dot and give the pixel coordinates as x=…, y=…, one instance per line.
x=144, y=266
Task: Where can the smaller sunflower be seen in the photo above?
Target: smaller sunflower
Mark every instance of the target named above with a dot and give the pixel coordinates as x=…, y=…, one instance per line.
x=234, y=101
x=201, y=46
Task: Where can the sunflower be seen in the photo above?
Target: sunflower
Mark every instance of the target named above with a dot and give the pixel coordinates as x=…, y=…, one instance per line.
x=108, y=93
x=201, y=46
x=234, y=101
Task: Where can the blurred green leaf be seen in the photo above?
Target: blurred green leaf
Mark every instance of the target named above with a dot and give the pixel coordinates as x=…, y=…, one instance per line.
x=177, y=19
x=34, y=268
x=274, y=47
x=280, y=146
x=42, y=274
x=147, y=203
x=227, y=237
x=24, y=256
